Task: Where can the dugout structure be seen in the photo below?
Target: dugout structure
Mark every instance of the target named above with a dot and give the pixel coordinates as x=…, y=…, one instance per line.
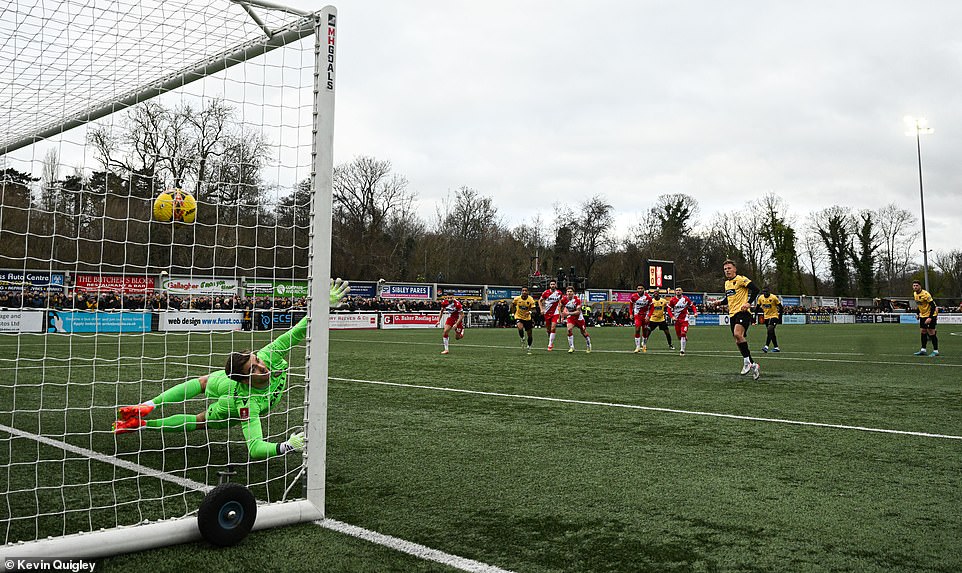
x=102, y=107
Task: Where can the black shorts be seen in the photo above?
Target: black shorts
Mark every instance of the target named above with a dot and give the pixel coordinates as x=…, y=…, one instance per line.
x=743, y=318
x=659, y=324
x=773, y=321
x=931, y=324
x=527, y=324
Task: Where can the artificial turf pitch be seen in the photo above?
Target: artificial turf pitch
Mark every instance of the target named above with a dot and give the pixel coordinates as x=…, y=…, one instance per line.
x=844, y=456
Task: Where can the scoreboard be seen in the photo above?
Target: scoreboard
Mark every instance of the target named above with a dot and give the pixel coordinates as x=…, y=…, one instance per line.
x=661, y=274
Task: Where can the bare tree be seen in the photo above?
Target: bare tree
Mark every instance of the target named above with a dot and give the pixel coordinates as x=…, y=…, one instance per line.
x=375, y=226
x=814, y=256
x=744, y=242
x=950, y=263
x=898, y=234
x=590, y=228
x=210, y=126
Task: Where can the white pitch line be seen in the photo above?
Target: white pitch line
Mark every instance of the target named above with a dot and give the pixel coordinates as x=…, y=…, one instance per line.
x=130, y=466
x=394, y=543
x=652, y=409
x=410, y=548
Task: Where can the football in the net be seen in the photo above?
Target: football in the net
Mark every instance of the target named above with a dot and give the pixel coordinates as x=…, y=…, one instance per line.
x=175, y=205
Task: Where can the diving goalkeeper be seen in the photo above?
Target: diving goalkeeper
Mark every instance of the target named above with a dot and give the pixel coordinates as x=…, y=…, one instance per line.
x=250, y=385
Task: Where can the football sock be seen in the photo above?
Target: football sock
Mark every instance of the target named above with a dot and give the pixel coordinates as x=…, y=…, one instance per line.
x=668, y=336
x=445, y=339
x=551, y=339
x=743, y=347
x=180, y=392
x=571, y=342
x=521, y=334
x=925, y=339
x=684, y=343
x=637, y=342
x=175, y=423
x=588, y=341
x=644, y=341
x=774, y=339
x=530, y=338
x=935, y=341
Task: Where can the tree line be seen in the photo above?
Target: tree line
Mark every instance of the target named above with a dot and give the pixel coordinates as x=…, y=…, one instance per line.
x=836, y=251
x=101, y=220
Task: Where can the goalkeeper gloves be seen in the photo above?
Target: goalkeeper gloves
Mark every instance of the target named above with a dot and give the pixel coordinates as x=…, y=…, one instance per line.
x=293, y=444
x=339, y=289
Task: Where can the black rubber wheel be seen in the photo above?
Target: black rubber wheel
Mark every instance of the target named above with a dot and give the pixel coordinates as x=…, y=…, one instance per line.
x=227, y=514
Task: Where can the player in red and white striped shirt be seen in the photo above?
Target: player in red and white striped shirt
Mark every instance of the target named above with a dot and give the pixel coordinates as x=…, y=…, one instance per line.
x=550, y=305
x=680, y=307
x=455, y=320
x=638, y=311
x=571, y=309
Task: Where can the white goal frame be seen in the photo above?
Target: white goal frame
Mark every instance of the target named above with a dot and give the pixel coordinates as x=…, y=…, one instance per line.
x=124, y=539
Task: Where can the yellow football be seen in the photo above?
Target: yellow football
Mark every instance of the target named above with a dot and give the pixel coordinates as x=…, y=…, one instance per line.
x=175, y=205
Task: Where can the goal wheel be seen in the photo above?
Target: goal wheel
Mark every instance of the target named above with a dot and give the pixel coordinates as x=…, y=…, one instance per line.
x=227, y=514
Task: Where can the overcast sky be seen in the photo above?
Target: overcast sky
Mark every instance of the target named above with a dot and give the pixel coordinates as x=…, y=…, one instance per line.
x=535, y=102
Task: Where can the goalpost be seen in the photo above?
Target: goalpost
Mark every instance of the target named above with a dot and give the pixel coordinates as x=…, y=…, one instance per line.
x=103, y=106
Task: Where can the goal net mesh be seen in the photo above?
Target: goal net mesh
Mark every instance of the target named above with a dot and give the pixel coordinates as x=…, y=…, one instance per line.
x=104, y=106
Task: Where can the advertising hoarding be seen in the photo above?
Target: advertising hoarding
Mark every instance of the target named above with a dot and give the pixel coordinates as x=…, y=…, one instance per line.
x=124, y=284
x=197, y=321
x=31, y=281
x=505, y=293
x=391, y=320
x=461, y=292
x=421, y=292
x=22, y=320
x=200, y=286
x=66, y=321
x=354, y=321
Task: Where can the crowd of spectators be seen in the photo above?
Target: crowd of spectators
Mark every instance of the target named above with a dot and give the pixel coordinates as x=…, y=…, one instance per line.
x=112, y=300
x=610, y=314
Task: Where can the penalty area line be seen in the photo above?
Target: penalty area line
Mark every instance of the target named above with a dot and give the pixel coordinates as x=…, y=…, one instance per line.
x=107, y=459
x=411, y=548
x=654, y=409
x=394, y=543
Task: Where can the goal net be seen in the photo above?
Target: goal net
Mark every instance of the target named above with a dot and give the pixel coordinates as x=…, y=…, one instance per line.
x=165, y=175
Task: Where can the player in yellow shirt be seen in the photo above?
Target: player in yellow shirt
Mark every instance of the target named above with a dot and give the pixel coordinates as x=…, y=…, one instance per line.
x=741, y=293
x=928, y=313
x=771, y=308
x=523, y=306
x=656, y=316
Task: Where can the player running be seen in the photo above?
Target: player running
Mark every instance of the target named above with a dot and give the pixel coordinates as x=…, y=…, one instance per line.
x=771, y=309
x=523, y=305
x=656, y=316
x=680, y=307
x=250, y=384
x=455, y=320
x=741, y=293
x=571, y=305
x=550, y=307
x=928, y=314
x=638, y=311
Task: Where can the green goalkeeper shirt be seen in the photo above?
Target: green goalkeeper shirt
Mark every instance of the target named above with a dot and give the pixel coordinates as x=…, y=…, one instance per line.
x=240, y=402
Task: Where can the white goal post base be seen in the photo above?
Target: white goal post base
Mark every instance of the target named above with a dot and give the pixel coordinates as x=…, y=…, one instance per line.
x=109, y=542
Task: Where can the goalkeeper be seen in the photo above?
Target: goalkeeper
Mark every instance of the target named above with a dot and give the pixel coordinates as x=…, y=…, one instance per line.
x=250, y=384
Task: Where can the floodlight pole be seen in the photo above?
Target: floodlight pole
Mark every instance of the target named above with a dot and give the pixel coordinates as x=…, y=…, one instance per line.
x=921, y=126
x=925, y=247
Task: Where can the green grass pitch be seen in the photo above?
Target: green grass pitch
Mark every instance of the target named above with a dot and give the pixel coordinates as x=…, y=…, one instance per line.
x=845, y=456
